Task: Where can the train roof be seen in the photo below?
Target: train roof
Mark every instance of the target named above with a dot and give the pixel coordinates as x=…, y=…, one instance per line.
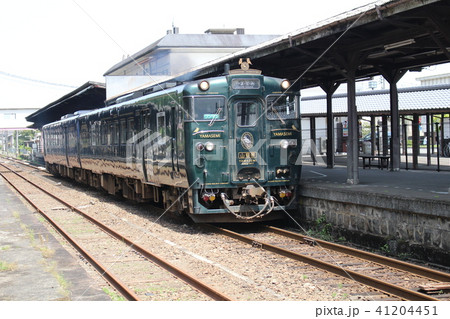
x=136, y=97
x=110, y=108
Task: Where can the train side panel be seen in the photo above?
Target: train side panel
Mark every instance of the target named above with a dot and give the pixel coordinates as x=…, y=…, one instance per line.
x=225, y=152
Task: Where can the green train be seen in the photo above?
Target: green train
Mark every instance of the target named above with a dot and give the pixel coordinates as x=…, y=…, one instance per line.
x=222, y=149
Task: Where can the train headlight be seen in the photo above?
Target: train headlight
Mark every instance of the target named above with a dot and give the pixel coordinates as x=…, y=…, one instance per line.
x=284, y=144
x=203, y=85
x=209, y=146
x=285, y=84
x=200, y=147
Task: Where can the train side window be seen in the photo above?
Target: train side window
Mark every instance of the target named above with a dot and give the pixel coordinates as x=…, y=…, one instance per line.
x=130, y=128
x=161, y=123
x=123, y=131
x=85, y=134
x=281, y=107
x=115, y=133
x=110, y=127
x=72, y=137
x=94, y=133
x=147, y=121
x=104, y=133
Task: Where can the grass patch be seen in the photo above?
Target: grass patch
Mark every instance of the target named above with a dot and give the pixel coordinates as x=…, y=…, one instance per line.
x=321, y=229
x=6, y=266
x=64, y=285
x=113, y=295
x=39, y=243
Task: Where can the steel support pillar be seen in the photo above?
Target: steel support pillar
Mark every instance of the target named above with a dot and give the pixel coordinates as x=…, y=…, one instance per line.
x=330, y=88
x=395, y=128
x=385, y=134
x=433, y=136
x=312, y=134
x=372, y=134
x=429, y=125
x=352, y=141
x=393, y=75
x=415, y=141
x=350, y=63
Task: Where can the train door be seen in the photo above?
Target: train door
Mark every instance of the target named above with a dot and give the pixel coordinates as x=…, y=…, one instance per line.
x=123, y=138
x=131, y=145
x=174, y=141
x=78, y=145
x=147, y=153
x=66, y=144
x=249, y=135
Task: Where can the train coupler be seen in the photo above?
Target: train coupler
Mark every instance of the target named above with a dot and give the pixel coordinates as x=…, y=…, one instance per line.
x=245, y=211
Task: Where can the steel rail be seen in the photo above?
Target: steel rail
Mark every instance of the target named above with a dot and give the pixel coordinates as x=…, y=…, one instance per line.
x=177, y=272
x=114, y=281
x=398, y=264
x=388, y=288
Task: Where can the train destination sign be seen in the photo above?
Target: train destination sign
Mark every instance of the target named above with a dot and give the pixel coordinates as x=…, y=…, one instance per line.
x=245, y=84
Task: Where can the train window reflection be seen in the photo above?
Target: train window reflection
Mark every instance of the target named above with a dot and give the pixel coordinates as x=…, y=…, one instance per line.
x=281, y=107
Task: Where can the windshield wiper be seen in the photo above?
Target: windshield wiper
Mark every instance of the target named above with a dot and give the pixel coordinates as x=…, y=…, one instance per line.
x=276, y=112
x=215, y=117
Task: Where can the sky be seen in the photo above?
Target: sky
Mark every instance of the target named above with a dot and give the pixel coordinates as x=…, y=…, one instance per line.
x=51, y=47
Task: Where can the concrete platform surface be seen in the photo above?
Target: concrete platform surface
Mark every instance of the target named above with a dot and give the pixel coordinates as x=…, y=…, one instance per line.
x=412, y=184
x=33, y=264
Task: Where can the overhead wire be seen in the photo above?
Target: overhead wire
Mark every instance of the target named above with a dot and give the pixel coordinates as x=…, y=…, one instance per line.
x=146, y=73
x=15, y=76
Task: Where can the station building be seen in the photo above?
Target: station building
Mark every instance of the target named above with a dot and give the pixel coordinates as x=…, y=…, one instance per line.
x=11, y=120
x=174, y=54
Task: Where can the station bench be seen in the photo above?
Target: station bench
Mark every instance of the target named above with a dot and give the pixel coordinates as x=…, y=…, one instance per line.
x=382, y=159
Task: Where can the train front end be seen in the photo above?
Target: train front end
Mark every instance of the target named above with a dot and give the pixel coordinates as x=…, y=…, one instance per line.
x=243, y=139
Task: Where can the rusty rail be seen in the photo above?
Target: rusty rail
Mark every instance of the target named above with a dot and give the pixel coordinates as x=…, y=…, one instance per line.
x=115, y=282
x=386, y=261
x=388, y=288
x=177, y=272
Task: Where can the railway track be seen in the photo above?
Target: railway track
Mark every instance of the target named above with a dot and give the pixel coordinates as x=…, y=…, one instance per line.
x=78, y=227
x=347, y=265
x=390, y=276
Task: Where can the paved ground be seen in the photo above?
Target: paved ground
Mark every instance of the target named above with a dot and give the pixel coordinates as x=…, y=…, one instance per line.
x=426, y=184
x=33, y=264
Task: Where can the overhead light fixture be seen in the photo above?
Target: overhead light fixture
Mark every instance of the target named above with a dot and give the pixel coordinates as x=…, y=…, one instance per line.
x=399, y=44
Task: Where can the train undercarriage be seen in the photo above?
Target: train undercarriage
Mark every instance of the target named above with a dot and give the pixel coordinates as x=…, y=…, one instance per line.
x=243, y=204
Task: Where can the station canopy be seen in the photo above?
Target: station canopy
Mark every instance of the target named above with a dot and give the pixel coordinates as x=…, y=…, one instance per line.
x=89, y=96
x=377, y=38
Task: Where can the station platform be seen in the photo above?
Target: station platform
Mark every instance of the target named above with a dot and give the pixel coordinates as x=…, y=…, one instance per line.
x=411, y=184
x=33, y=264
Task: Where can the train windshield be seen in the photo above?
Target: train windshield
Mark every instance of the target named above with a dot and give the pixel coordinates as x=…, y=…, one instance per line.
x=281, y=107
x=247, y=113
x=207, y=108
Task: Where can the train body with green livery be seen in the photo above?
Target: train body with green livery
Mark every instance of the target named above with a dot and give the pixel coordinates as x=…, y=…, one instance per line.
x=223, y=149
